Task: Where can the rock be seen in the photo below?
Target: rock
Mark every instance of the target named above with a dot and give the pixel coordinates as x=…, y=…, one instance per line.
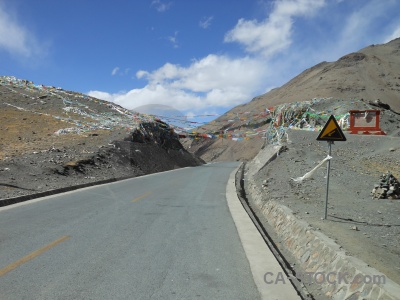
x=355, y=228
x=388, y=187
x=379, y=103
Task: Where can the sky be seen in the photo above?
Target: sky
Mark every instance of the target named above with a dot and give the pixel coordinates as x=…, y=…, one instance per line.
x=201, y=57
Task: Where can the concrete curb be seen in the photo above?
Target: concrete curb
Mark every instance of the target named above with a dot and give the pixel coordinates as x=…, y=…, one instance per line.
x=15, y=200
x=349, y=277
x=10, y=201
x=260, y=257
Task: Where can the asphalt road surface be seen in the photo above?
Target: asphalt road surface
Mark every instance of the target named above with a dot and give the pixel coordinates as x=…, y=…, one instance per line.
x=164, y=236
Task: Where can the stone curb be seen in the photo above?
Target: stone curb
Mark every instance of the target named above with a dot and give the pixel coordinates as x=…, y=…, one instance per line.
x=314, y=251
x=10, y=201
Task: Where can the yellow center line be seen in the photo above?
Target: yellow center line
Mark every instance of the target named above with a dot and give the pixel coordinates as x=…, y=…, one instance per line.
x=141, y=197
x=27, y=258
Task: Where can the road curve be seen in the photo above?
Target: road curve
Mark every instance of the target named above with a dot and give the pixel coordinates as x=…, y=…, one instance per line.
x=164, y=236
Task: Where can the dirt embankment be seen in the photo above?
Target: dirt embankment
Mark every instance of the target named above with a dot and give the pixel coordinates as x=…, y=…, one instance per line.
x=366, y=228
x=92, y=158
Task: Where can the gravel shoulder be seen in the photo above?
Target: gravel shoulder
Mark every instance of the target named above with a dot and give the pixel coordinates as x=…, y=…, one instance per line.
x=366, y=228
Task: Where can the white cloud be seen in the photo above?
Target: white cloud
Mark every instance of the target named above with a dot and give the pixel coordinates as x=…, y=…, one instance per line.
x=199, y=118
x=366, y=24
x=16, y=39
x=216, y=81
x=190, y=115
x=161, y=6
x=274, y=33
x=174, y=40
x=114, y=71
x=357, y=25
x=206, y=22
x=120, y=72
x=394, y=35
x=101, y=95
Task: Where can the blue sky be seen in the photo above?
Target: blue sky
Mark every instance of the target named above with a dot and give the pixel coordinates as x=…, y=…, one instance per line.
x=201, y=57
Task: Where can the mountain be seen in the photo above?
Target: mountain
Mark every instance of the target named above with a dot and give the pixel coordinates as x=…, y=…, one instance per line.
x=370, y=73
x=355, y=81
x=51, y=138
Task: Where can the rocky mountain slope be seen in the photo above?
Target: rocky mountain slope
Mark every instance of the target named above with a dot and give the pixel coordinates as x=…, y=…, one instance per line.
x=51, y=138
x=355, y=81
x=370, y=73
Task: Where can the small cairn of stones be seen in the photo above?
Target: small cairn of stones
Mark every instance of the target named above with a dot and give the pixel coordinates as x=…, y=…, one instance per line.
x=388, y=188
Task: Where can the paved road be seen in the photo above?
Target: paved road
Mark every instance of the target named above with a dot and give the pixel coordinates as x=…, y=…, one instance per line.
x=164, y=236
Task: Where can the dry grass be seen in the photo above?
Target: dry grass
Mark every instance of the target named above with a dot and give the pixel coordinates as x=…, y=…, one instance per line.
x=23, y=132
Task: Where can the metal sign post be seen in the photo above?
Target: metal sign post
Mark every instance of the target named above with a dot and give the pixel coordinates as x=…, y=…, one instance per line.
x=330, y=133
x=327, y=178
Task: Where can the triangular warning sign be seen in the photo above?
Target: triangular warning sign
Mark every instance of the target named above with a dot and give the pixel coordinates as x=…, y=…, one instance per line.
x=331, y=131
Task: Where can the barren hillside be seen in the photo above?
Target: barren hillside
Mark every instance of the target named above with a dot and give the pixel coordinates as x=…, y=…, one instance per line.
x=51, y=138
x=370, y=73
x=355, y=81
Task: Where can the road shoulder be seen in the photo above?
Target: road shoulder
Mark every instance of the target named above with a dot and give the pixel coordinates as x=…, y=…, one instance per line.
x=263, y=263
